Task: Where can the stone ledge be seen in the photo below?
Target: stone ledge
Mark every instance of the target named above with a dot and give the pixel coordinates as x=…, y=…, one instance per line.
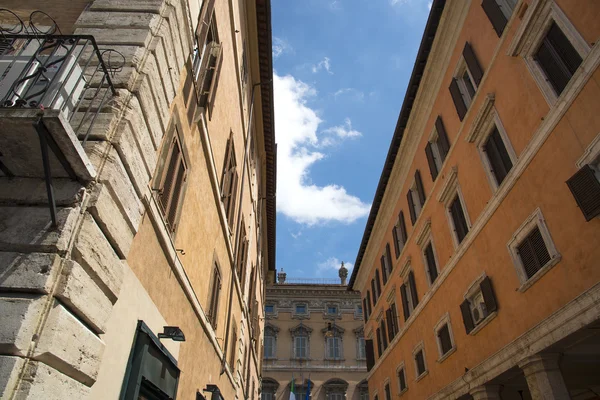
x=33, y=272
x=10, y=368
x=20, y=318
x=43, y=382
x=155, y=6
x=32, y=192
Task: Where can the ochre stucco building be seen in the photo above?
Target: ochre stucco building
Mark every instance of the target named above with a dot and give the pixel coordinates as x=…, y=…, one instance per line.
x=137, y=192
x=479, y=267
x=313, y=336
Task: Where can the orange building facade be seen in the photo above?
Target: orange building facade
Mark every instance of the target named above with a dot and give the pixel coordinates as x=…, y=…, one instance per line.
x=479, y=266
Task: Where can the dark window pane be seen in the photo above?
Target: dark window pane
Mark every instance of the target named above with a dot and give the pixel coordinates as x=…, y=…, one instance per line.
x=444, y=337
x=431, y=266
x=420, y=362
x=459, y=220
x=498, y=157
x=533, y=253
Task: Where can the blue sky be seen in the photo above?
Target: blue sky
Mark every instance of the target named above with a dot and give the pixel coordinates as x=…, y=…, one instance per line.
x=340, y=72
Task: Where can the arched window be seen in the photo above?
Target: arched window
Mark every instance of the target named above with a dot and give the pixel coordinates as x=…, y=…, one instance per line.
x=270, y=341
x=363, y=390
x=301, y=342
x=335, y=389
x=268, y=389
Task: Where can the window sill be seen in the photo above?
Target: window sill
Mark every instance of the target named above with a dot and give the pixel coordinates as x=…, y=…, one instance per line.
x=483, y=323
x=403, y=391
x=423, y=375
x=527, y=284
x=448, y=354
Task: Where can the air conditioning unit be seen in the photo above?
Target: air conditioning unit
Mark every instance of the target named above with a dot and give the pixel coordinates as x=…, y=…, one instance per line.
x=478, y=309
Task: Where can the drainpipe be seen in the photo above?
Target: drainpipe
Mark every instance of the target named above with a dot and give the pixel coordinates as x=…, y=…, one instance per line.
x=238, y=225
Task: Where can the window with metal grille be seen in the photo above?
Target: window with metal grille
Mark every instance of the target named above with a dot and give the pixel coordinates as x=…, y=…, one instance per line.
x=533, y=252
x=558, y=58
x=174, y=176
x=402, y=379
x=459, y=221
x=432, y=269
x=444, y=339
x=388, y=394
x=420, y=363
x=497, y=155
x=229, y=182
x=214, y=297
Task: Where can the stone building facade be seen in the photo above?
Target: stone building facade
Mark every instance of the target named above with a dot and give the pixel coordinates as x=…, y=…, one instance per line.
x=478, y=268
x=314, y=336
x=137, y=198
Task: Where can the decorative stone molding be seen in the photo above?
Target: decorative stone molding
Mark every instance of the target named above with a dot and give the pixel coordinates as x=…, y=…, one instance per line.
x=424, y=233
x=448, y=189
x=481, y=118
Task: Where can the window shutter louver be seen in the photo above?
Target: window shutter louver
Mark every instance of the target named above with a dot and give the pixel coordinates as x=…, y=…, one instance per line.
x=413, y=289
x=568, y=55
x=431, y=266
x=233, y=196
x=208, y=73
x=458, y=217
x=166, y=186
x=420, y=189
x=390, y=326
x=378, y=283
x=369, y=302
x=204, y=21
x=383, y=336
x=585, y=187
x=365, y=310
x=383, y=270
x=370, y=355
x=411, y=207
x=405, y=308
x=533, y=252
x=443, y=141
x=215, y=80
x=373, y=291
x=459, y=103
x=432, y=167
x=394, y=313
x=495, y=15
x=403, y=233
x=388, y=255
x=488, y=295
x=420, y=362
x=465, y=310
x=379, y=348
x=472, y=63
x=497, y=155
x=395, y=238
x=177, y=188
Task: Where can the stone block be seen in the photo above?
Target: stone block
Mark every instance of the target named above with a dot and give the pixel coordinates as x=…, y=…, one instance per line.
x=69, y=346
x=93, y=252
x=108, y=36
x=113, y=173
x=153, y=80
x=10, y=368
x=111, y=219
x=162, y=68
x=154, y=6
x=34, y=272
x=101, y=129
x=32, y=191
x=20, y=318
x=29, y=229
x=178, y=35
x=133, y=157
x=43, y=382
x=150, y=109
x=80, y=293
x=118, y=20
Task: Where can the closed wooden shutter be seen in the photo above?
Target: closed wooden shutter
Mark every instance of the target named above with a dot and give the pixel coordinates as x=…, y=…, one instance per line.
x=459, y=103
x=388, y=395
x=177, y=190
x=383, y=336
x=497, y=155
x=405, y=308
x=431, y=266
x=495, y=15
x=443, y=141
x=411, y=207
x=458, y=218
x=465, y=310
x=533, y=253
x=388, y=256
x=173, y=179
x=383, y=269
x=488, y=295
x=214, y=298
x=472, y=63
x=413, y=289
x=213, y=56
x=379, y=345
x=365, y=309
x=233, y=195
x=394, y=313
x=585, y=187
x=370, y=354
x=420, y=362
x=373, y=291
x=402, y=379
x=420, y=189
x=215, y=81
x=430, y=160
x=204, y=22
x=369, y=302
x=378, y=283
x=444, y=337
x=396, y=238
x=403, y=233
x=390, y=326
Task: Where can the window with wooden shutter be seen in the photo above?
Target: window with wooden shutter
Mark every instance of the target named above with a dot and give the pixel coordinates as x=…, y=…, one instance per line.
x=379, y=345
x=475, y=70
x=413, y=289
x=399, y=234
x=557, y=58
x=459, y=221
x=585, y=187
x=457, y=98
x=488, y=295
x=405, y=305
x=411, y=206
x=369, y=303
x=403, y=233
x=233, y=350
x=171, y=186
x=496, y=14
x=432, y=270
x=444, y=339
x=377, y=283
x=419, y=187
x=533, y=252
x=497, y=155
x=384, y=271
x=394, y=315
x=402, y=379
x=373, y=291
x=443, y=143
x=388, y=259
x=420, y=363
x=370, y=354
x=389, y=322
x=365, y=309
x=229, y=182
x=388, y=394
x=214, y=297
x=431, y=161
x=396, y=239
x=465, y=310
x=383, y=335
x=479, y=305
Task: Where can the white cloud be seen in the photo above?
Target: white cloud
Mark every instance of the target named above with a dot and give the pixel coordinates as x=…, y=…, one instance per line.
x=297, y=125
x=355, y=94
x=333, y=263
x=324, y=64
x=281, y=46
x=429, y=4
x=343, y=131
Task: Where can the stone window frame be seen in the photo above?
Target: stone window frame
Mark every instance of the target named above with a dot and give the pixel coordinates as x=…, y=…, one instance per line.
x=405, y=270
x=297, y=315
x=271, y=304
x=474, y=291
x=424, y=238
x=419, y=347
x=444, y=321
x=275, y=331
x=433, y=140
x=448, y=193
x=358, y=314
x=539, y=17
x=483, y=126
x=401, y=368
x=536, y=219
x=387, y=389
x=360, y=334
x=213, y=303
x=458, y=74
x=336, y=315
x=338, y=333
x=295, y=333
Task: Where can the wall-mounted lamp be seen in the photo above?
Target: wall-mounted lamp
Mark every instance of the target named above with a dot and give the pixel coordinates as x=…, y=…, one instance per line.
x=173, y=333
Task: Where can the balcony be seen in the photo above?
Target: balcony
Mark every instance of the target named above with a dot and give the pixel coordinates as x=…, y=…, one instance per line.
x=319, y=365
x=52, y=88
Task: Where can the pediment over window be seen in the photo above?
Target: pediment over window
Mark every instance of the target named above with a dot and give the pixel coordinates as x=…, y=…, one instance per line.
x=360, y=331
x=337, y=330
x=271, y=329
x=270, y=384
x=336, y=385
x=301, y=329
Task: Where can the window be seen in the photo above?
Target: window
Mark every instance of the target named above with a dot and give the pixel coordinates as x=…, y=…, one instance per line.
x=207, y=57
x=532, y=250
x=498, y=12
x=172, y=180
x=270, y=345
x=585, y=187
x=384, y=339
x=408, y=291
x=391, y=316
x=379, y=343
x=370, y=353
x=416, y=197
x=358, y=311
x=480, y=303
x=444, y=337
x=401, y=373
x=376, y=286
x=215, y=291
x=300, y=336
x=467, y=77
x=386, y=263
x=234, y=347
x=242, y=259
x=333, y=348
x=388, y=394
x=360, y=353
x=367, y=306
x=229, y=182
x=332, y=310
x=268, y=390
x=437, y=148
x=419, y=358
x=335, y=389
x=459, y=221
x=269, y=308
x=430, y=263
x=301, y=308
x=399, y=234
x=147, y=356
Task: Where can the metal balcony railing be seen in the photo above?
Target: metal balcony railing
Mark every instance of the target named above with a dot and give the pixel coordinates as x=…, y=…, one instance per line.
x=347, y=365
x=310, y=281
x=68, y=73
